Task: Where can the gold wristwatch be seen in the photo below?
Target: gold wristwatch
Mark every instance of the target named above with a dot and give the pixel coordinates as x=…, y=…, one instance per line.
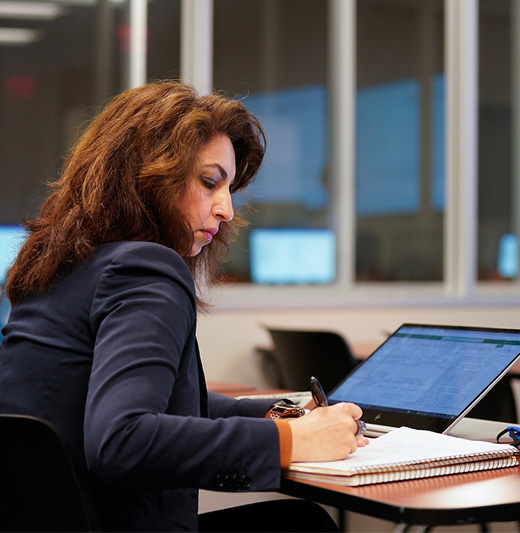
x=284, y=409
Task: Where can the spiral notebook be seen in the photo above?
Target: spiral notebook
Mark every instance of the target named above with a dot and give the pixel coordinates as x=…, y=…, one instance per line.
x=407, y=453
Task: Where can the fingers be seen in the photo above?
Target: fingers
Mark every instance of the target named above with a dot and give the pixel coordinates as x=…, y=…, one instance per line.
x=347, y=414
x=347, y=409
x=327, y=433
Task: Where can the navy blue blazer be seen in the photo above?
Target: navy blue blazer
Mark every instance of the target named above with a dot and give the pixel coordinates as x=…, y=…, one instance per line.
x=109, y=355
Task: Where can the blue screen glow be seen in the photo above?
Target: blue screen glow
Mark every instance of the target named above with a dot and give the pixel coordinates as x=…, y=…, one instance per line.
x=293, y=256
x=11, y=238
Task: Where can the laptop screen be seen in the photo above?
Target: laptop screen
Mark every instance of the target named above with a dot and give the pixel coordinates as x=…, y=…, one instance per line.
x=429, y=376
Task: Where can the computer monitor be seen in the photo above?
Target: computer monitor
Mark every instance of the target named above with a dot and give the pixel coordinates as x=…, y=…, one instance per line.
x=293, y=256
x=508, y=256
x=11, y=238
x=5, y=309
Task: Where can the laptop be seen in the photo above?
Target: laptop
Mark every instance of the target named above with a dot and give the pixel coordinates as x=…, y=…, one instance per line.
x=428, y=376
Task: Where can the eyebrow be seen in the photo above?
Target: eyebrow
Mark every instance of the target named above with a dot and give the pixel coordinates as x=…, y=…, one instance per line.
x=220, y=168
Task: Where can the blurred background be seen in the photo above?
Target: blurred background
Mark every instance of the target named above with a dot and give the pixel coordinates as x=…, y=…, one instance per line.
x=390, y=190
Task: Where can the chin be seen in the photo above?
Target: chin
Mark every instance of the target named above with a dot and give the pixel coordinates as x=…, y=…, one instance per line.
x=196, y=249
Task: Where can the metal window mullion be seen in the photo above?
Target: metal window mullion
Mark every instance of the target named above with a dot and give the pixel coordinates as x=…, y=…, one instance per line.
x=137, y=57
x=460, y=246
x=515, y=116
x=342, y=86
x=197, y=44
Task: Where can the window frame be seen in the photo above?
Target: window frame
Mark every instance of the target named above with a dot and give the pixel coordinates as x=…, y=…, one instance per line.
x=459, y=285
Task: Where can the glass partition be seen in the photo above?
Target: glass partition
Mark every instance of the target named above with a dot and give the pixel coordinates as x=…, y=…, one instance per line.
x=277, y=63
x=57, y=65
x=498, y=160
x=399, y=141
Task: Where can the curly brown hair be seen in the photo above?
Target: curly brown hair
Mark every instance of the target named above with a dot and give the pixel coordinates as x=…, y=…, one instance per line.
x=125, y=176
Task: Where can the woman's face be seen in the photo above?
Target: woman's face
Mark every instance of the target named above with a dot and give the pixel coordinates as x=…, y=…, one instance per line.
x=208, y=200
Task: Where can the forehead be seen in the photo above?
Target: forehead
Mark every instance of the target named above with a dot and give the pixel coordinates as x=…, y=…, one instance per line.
x=219, y=154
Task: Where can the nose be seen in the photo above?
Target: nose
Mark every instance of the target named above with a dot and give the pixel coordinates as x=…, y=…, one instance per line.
x=223, y=207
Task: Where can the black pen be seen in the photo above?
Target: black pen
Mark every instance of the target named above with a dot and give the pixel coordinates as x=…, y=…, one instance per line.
x=318, y=395
x=320, y=399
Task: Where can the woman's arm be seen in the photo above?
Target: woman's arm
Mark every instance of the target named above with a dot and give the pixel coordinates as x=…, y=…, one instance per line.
x=143, y=424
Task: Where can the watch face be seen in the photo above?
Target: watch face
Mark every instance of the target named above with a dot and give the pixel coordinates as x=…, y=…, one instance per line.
x=286, y=411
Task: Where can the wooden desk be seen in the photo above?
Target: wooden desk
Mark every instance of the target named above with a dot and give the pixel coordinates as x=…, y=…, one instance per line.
x=231, y=389
x=363, y=350
x=478, y=497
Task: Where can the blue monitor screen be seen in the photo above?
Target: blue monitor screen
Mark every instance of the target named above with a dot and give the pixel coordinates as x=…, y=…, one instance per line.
x=11, y=238
x=508, y=256
x=293, y=256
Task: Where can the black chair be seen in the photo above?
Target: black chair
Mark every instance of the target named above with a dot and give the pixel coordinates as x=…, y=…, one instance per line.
x=42, y=488
x=301, y=354
x=498, y=404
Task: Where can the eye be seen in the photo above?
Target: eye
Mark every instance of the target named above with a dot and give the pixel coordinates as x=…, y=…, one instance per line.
x=209, y=183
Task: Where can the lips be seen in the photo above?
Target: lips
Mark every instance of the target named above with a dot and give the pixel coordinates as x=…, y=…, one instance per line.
x=209, y=233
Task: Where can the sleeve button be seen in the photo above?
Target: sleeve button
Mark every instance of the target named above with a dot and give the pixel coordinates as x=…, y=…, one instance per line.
x=220, y=481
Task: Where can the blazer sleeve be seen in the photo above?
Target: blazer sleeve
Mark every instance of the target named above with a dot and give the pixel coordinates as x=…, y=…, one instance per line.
x=224, y=406
x=137, y=431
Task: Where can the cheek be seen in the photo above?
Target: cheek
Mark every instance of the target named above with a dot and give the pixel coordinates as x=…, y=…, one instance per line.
x=196, y=208
x=186, y=205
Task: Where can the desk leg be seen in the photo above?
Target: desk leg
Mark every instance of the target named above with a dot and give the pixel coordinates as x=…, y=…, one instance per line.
x=342, y=520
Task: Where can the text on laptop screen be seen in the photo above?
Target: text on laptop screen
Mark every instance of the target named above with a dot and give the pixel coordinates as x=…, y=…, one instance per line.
x=454, y=367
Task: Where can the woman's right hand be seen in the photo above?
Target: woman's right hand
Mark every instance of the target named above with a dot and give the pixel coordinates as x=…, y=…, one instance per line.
x=326, y=433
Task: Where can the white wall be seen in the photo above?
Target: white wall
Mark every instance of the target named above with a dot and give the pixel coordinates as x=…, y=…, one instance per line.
x=228, y=338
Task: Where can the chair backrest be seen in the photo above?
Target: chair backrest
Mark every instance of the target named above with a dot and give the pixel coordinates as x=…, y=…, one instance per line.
x=498, y=404
x=42, y=488
x=305, y=353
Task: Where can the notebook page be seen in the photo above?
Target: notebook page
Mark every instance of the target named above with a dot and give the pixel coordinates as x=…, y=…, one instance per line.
x=405, y=446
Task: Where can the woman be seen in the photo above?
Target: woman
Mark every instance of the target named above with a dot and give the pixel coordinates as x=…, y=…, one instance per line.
x=101, y=338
